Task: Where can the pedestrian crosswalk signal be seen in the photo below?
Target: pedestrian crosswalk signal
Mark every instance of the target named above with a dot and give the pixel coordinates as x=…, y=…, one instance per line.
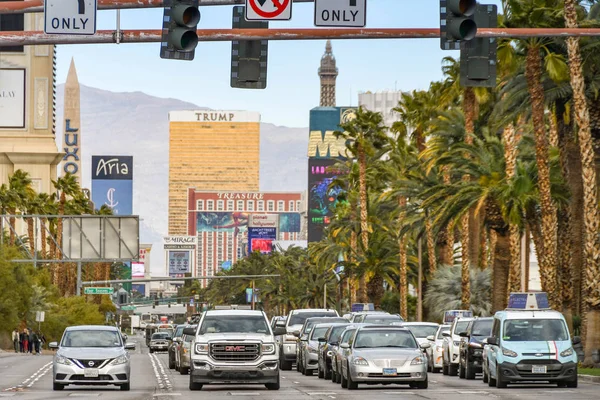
x=179, y=36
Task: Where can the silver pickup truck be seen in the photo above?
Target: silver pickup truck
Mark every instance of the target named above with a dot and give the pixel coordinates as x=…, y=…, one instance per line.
x=233, y=347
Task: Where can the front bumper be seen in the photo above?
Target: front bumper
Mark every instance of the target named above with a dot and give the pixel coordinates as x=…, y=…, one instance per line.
x=522, y=371
x=289, y=351
x=312, y=360
x=372, y=374
x=159, y=347
x=476, y=359
x=207, y=371
x=108, y=375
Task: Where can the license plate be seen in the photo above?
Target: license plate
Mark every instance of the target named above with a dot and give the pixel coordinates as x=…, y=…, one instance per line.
x=390, y=372
x=90, y=372
x=539, y=369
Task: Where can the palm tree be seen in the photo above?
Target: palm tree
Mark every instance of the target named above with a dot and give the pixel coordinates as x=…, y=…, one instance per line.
x=365, y=135
x=66, y=186
x=19, y=183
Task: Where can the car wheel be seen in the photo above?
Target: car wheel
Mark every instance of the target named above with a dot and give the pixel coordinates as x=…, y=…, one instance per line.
x=308, y=372
x=171, y=362
x=333, y=376
x=151, y=351
x=469, y=370
x=283, y=363
x=194, y=385
x=573, y=383
x=320, y=373
x=444, y=366
x=57, y=386
x=351, y=384
x=485, y=376
x=343, y=381
x=125, y=386
x=183, y=370
x=326, y=374
x=274, y=385
x=500, y=382
x=452, y=370
x=461, y=371
x=422, y=385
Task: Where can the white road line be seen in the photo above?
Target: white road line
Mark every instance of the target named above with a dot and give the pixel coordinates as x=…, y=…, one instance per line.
x=37, y=375
x=320, y=393
x=163, y=373
x=166, y=394
x=156, y=373
x=400, y=392
x=243, y=394
x=84, y=395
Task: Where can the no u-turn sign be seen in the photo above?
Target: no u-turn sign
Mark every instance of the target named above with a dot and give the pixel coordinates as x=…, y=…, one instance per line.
x=268, y=10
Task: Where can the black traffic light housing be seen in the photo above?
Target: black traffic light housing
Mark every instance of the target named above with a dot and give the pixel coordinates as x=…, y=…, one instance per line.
x=179, y=37
x=478, y=57
x=248, y=57
x=457, y=23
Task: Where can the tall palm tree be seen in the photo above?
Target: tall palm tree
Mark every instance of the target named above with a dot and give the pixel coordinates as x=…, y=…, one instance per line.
x=590, y=191
x=365, y=135
x=66, y=186
x=19, y=183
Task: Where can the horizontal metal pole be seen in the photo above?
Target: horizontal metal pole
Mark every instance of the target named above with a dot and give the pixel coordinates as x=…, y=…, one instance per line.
x=177, y=279
x=29, y=6
x=15, y=38
x=74, y=261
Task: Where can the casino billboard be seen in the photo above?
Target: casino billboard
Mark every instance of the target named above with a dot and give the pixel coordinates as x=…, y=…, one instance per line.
x=112, y=183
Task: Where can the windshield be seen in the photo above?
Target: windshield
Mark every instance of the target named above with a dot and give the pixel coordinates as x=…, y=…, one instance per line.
x=91, y=338
x=535, y=330
x=318, y=333
x=234, y=324
x=461, y=326
x=385, y=338
x=160, y=335
x=443, y=329
x=482, y=328
x=382, y=319
x=336, y=333
x=298, y=319
x=179, y=331
x=422, y=331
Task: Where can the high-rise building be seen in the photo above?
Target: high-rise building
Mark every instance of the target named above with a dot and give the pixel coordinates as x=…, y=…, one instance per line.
x=328, y=73
x=27, y=123
x=229, y=225
x=72, y=126
x=213, y=151
x=382, y=102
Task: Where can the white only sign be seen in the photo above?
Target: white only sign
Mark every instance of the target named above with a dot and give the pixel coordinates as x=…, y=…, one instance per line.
x=268, y=10
x=345, y=13
x=70, y=17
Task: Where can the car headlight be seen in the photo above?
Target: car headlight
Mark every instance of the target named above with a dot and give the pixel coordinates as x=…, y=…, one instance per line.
x=476, y=345
x=419, y=360
x=359, y=361
x=509, y=353
x=313, y=350
x=201, y=348
x=267, y=348
x=568, y=352
x=119, y=360
x=62, y=360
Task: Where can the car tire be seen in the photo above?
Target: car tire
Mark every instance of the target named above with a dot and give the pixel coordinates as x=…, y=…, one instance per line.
x=422, y=385
x=485, y=376
x=452, y=370
x=151, y=351
x=333, y=376
x=444, y=366
x=273, y=385
x=320, y=373
x=436, y=370
x=327, y=374
x=183, y=370
x=573, y=383
x=283, y=363
x=461, y=371
x=351, y=384
x=469, y=370
x=57, y=386
x=125, y=387
x=171, y=362
x=194, y=385
x=308, y=372
x=344, y=382
x=500, y=382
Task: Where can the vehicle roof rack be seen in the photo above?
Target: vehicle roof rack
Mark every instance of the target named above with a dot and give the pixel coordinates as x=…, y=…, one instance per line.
x=529, y=301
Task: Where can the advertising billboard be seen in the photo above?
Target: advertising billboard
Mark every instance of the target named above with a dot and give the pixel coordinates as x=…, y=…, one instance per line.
x=112, y=183
x=137, y=269
x=138, y=290
x=235, y=222
x=261, y=239
x=264, y=220
x=179, y=263
x=322, y=197
x=290, y=222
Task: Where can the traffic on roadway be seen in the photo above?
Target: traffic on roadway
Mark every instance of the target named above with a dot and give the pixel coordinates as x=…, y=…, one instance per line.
x=524, y=351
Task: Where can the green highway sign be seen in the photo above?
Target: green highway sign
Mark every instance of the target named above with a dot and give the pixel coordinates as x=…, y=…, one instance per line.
x=128, y=308
x=98, y=290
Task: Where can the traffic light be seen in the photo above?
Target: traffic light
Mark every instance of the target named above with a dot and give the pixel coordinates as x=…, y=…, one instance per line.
x=478, y=56
x=456, y=22
x=248, y=57
x=179, y=37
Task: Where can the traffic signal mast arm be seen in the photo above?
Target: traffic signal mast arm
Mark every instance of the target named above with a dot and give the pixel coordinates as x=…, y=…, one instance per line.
x=17, y=38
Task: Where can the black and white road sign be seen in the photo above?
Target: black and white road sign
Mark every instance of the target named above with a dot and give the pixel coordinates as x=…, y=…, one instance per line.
x=70, y=17
x=348, y=13
x=268, y=10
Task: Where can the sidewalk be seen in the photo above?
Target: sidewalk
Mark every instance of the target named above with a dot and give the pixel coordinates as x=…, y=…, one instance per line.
x=589, y=378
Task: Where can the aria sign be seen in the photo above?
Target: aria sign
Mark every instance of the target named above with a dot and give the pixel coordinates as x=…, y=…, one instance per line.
x=112, y=183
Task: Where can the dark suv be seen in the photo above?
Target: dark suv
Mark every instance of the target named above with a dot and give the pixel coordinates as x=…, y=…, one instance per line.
x=471, y=349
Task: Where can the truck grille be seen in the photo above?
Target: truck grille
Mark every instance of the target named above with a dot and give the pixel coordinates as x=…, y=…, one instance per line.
x=235, y=352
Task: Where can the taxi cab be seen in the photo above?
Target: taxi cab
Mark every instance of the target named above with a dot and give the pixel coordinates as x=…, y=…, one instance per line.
x=530, y=343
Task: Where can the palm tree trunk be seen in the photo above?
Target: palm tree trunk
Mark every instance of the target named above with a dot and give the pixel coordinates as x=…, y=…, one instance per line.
x=492, y=257
x=43, y=226
x=352, y=279
x=447, y=251
x=469, y=104
x=403, y=270
x=590, y=189
x=510, y=156
x=12, y=227
x=548, y=260
x=32, y=243
x=364, y=226
x=430, y=246
x=483, y=247
x=500, y=271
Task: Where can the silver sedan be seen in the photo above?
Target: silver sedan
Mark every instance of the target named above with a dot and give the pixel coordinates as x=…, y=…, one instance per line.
x=383, y=355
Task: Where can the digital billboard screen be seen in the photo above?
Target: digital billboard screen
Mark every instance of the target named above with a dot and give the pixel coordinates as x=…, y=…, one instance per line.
x=322, y=196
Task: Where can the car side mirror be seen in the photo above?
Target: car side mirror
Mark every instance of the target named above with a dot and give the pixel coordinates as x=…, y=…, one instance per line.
x=463, y=334
x=431, y=338
x=576, y=340
x=279, y=330
x=484, y=341
x=296, y=333
x=425, y=345
x=345, y=346
x=130, y=346
x=492, y=340
x=322, y=340
x=280, y=324
x=446, y=334
x=189, y=331
x=304, y=338
x=53, y=345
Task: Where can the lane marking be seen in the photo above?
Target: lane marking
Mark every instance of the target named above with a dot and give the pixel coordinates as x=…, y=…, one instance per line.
x=37, y=375
x=84, y=395
x=156, y=373
x=166, y=394
x=243, y=394
x=321, y=393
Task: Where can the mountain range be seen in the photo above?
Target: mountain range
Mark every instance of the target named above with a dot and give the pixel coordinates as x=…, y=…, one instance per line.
x=136, y=124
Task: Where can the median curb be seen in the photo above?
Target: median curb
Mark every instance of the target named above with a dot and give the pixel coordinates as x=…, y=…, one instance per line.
x=589, y=378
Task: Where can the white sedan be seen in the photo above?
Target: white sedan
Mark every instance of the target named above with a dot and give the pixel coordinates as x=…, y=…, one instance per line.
x=437, y=342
